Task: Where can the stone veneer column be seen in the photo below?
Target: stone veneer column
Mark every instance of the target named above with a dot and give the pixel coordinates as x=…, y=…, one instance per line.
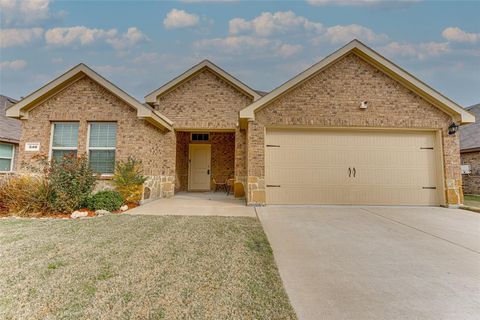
x=256, y=194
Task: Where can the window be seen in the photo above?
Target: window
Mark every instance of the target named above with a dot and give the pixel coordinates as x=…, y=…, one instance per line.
x=200, y=136
x=64, y=139
x=101, y=146
x=6, y=157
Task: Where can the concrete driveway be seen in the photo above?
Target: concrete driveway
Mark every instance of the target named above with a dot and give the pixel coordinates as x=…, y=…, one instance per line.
x=377, y=262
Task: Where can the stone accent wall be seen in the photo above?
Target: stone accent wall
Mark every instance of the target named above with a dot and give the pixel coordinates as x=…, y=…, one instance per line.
x=85, y=101
x=204, y=101
x=222, y=157
x=471, y=182
x=240, y=163
x=331, y=98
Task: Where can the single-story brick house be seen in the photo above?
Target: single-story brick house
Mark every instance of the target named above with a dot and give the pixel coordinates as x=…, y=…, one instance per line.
x=352, y=129
x=9, y=137
x=470, y=153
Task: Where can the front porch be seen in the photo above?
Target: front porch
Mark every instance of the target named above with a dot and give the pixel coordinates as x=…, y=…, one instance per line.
x=206, y=157
x=197, y=204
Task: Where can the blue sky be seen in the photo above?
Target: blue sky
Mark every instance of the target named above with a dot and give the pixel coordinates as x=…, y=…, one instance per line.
x=143, y=44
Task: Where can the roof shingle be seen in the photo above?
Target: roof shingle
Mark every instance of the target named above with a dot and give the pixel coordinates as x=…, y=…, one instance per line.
x=10, y=129
x=470, y=133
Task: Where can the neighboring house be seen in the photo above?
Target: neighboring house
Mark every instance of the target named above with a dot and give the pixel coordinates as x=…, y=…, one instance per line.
x=10, y=130
x=352, y=129
x=470, y=152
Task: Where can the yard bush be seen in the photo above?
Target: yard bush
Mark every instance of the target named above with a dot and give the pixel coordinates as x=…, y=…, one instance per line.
x=128, y=179
x=105, y=200
x=25, y=195
x=71, y=181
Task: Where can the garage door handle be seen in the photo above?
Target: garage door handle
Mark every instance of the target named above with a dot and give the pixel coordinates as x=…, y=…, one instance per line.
x=354, y=172
x=349, y=172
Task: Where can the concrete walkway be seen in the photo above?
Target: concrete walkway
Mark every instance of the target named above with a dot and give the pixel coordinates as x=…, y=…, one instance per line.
x=197, y=204
x=377, y=262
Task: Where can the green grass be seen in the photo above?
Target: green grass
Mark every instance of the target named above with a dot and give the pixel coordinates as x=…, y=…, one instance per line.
x=139, y=267
x=472, y=200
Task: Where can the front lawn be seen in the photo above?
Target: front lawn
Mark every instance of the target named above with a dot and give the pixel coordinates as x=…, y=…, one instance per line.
x=139, y=267
x=472, y=200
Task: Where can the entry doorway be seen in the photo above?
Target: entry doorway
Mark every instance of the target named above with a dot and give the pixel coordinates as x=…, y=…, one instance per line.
x=199, y=168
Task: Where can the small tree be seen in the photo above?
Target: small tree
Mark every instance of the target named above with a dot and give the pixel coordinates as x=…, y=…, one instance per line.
x=128, y=179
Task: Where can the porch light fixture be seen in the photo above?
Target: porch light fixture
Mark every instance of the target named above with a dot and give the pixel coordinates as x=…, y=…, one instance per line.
x=364, y=105
x=453, y=128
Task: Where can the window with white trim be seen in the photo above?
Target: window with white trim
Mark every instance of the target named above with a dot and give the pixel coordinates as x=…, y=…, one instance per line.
x=64, y=139
x=101, y=146
x=6, y=157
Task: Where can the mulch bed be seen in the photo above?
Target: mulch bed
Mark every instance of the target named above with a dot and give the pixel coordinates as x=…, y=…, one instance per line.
x=4, y=213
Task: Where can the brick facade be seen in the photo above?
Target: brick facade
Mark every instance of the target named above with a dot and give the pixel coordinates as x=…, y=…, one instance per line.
x=86, y=101
x=206, y=101
x=471, y=182
x=331, y=98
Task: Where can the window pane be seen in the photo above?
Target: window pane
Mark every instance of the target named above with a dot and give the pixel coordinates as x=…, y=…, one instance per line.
x=103, y=134
x=102, y=161
x=5, y=164
x=65, y=135
x=6, y=150
x=57, y=155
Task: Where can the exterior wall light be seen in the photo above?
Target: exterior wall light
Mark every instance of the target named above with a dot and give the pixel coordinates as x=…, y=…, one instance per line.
x=364, y=105
x=453, y=128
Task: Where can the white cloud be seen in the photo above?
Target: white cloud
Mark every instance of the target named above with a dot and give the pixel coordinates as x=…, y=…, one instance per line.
x=180, y=19
x=456, y=34
x=418, y=51
x=13, y=65
x=128, y=39
x=238, y=45
x=343, y=34
x=24, y=11
x=78, y=34
x=269, y=23
x=19, y=37
x=287, y=50
x=361, y=3
x=86, y=36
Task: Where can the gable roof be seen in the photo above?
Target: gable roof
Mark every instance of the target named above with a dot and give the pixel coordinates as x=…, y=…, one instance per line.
x=470, y=134
x=205, y=64
x=378, y=61
x=21, y=108
x=10, y=129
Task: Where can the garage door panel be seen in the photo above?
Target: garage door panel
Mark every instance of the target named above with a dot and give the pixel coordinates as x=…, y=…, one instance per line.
x=312, y=167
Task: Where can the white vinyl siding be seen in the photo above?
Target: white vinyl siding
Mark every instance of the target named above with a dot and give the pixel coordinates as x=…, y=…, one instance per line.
x=6, y=157
x=101, y=146
x=64, y=139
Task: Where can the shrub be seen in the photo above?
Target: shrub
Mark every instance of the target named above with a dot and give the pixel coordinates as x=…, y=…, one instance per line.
x=25, y=195
x=128, y=179
x=105, y=200
x=71, y=181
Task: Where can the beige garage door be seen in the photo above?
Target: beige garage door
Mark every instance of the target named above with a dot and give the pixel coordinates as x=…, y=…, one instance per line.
x=350, y=167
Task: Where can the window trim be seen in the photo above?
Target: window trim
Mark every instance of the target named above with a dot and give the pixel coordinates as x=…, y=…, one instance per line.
x=11, y=159
x=51, y=148
x=101, y=148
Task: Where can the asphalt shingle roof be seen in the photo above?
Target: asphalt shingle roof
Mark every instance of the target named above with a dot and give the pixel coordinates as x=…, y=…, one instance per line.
x=10, y=129
x=470, y=133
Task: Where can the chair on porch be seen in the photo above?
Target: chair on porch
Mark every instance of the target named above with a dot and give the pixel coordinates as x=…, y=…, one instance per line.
x=219, y=185
x=229, y=185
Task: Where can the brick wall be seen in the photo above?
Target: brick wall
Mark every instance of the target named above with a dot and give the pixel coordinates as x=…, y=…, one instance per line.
x=471, y=182
x=331, y=98
x=205, y=102
x=85, y=101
